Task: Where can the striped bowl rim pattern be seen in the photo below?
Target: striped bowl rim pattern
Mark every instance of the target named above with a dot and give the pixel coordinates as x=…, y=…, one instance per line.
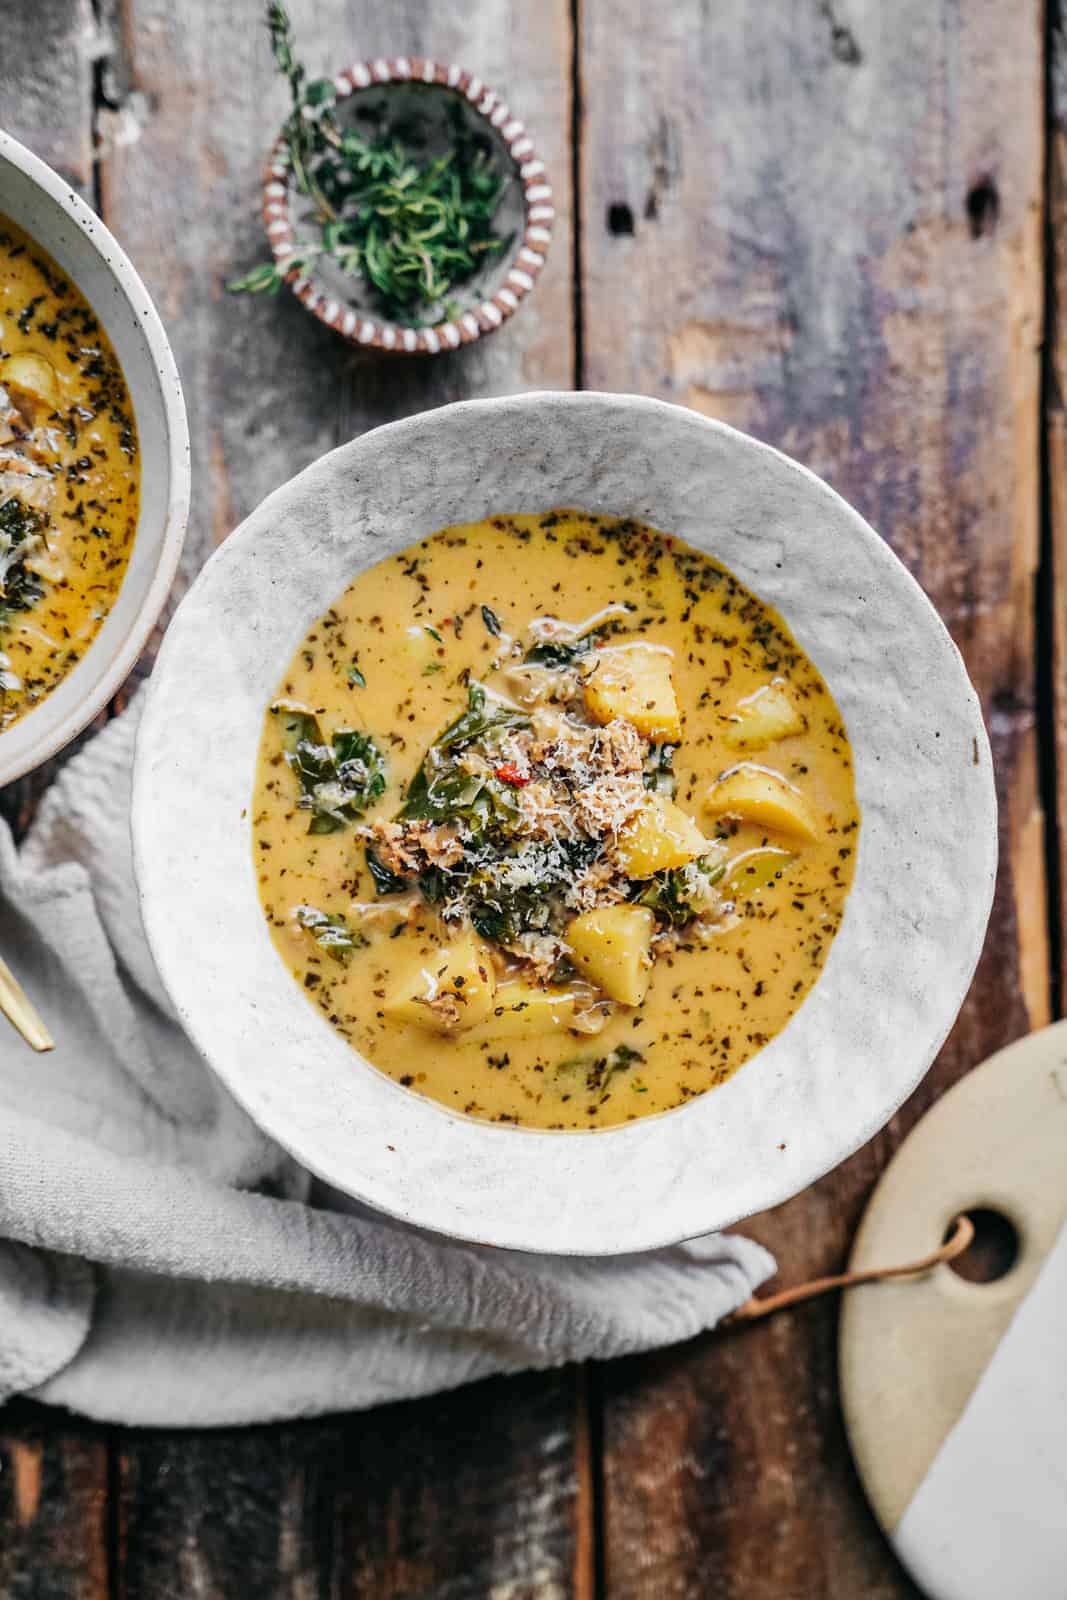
x=528, y=256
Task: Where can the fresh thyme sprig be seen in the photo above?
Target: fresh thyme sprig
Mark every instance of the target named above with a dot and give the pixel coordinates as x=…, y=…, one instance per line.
x=412, y=228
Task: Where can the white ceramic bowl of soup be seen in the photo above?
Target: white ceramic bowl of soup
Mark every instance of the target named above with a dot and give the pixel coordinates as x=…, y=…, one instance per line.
x=897, y=970
x=46, y=208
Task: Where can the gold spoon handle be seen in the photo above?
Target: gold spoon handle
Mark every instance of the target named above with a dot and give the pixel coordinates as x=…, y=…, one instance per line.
x=17, y=1008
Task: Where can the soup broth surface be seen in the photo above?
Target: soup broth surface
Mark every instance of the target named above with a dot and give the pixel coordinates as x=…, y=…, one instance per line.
x=473, y=622
x=69, y=474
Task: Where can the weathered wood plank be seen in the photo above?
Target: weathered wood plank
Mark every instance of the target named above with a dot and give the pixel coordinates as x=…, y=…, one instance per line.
x=1055, y=590
x=46, y=84
x=53, y=1507
x=823, y=224
x=418, y=1499
x=461, y=1496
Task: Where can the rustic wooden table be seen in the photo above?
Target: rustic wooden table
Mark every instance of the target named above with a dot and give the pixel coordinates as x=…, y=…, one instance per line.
x=837, y=223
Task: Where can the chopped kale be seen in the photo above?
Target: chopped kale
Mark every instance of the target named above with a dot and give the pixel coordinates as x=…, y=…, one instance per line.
x=385, y=882
x=338, y=781
x=330, y=932
x=554, y=653
x=22, y=529
x=441, y=791
x=669, y=895
x=502, y=917
x=448, y=794
x=659, y=769
x=599, y=1070
x=551, y=654
x=479, y=720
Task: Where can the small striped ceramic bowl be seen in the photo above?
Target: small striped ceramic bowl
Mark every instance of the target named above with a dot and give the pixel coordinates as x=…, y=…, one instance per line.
x=372, y=94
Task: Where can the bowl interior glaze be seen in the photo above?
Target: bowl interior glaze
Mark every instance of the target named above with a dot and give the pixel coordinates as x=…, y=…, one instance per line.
x=897, y=971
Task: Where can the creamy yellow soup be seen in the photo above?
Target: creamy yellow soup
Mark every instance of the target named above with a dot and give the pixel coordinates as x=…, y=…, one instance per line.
x=630, y=881
x=69, y=474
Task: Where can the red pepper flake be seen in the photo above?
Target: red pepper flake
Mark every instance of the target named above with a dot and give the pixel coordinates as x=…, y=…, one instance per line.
x=510, y=773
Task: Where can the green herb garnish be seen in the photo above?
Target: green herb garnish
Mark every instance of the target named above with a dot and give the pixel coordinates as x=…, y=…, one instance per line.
x=669, y=894
x=440, y=791
x=355, y=676
x=338, y=781
x=506, y=884
x=448, y=794
x=659, y=769
x=411, y=227
x=330, y=932
x=599, y=1070
x=22, y=530
x=385, y=882
x=492, y=621
x=479, y=719
x=551, y=653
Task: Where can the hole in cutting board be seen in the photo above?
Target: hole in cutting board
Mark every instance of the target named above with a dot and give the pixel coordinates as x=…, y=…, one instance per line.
x=992, y=1252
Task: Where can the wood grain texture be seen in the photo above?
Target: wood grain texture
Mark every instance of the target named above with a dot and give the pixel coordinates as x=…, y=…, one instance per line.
x=53, y=1507
x=1055, y=588
x=826, y=228
x=46, y=84
x=462, y=1495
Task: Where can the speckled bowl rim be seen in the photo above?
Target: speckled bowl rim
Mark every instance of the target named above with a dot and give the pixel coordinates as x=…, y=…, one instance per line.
x=528, y=255
x=46, y=730
x=897, y=970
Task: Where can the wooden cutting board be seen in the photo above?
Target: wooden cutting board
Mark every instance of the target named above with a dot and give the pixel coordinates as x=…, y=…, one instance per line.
x=956, y=1409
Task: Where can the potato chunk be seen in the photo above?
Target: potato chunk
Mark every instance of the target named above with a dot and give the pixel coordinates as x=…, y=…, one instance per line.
x=634, y=681
x=31, y=382
x=660, y=836
x=753, y=870
x=612, y=947
x=760, y=795
x=448, y=991
x=764, y=717
x=522, y=1010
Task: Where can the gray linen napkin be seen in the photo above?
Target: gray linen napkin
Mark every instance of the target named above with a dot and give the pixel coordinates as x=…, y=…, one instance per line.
x=162, y=1262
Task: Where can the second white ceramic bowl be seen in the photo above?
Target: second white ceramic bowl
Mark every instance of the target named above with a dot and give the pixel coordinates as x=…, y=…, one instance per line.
x=897, y=971
x=46, y=208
